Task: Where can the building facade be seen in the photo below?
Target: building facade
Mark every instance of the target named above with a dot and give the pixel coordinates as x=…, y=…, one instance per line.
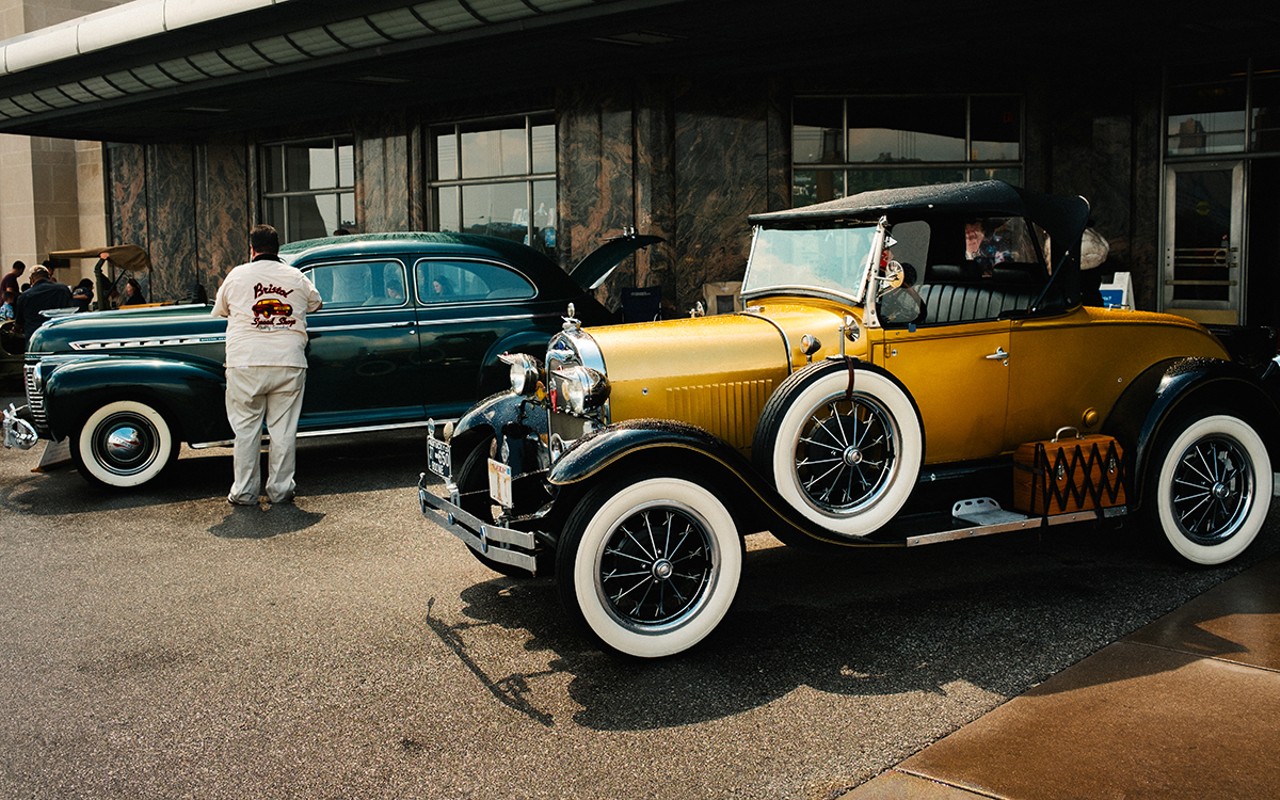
x=560, y=122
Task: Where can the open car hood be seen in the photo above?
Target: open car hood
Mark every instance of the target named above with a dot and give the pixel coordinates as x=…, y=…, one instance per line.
x=591, y=271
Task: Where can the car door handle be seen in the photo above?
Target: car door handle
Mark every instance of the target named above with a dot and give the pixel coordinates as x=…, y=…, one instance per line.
x=998, y=355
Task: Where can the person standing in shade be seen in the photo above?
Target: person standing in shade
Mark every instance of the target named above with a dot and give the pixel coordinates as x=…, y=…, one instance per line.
x=266, y=303
x=9, y=283
x=45, y=294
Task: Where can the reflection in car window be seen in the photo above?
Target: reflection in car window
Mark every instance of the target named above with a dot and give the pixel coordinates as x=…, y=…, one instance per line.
x=361, y=283
x=469, y=281
x=833, y=259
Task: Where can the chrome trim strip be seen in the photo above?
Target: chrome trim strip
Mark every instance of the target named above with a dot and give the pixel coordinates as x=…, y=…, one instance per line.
x=505, y=318
x=154, y=341
x=361, y=327
x=398, y=426
x=786, y=342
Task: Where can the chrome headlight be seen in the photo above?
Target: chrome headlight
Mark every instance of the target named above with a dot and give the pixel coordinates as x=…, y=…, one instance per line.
x=583, y=389
x=526, y=371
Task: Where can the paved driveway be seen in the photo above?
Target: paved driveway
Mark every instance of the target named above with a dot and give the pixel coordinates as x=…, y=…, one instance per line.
x=164, y=644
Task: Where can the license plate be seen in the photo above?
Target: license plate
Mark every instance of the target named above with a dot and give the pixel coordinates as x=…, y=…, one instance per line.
x=438, y=457
x=500, y=483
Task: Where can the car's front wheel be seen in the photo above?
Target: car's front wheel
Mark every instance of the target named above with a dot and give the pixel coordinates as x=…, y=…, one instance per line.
x=650, y=566
x=1210, y=488
x=123, y=444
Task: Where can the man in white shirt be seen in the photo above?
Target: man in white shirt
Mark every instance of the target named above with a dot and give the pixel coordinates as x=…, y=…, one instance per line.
x=266, y=303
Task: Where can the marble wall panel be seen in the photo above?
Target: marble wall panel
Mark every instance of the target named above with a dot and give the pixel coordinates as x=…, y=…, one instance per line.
x=172, y=221
x=383, y=180
x=126, y=168
x=655, y=187
x=722, y=174
x=223, y=215
x=596, y=177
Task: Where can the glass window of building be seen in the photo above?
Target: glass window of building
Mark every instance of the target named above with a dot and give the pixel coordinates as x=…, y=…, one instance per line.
x=497, y=177
x=845, y=145
x=1228, y=107
x=309, y=187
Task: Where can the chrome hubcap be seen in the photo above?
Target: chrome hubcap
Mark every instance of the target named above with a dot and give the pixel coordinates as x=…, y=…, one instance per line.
x=124, y=443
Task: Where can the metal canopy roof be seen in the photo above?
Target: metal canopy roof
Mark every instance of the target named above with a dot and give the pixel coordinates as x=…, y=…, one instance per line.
x=165, y=70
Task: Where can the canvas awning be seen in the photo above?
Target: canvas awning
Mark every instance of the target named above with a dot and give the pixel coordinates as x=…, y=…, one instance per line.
x=129, y=257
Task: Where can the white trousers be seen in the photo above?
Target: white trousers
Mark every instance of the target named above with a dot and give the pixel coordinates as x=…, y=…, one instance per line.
x=255, y=395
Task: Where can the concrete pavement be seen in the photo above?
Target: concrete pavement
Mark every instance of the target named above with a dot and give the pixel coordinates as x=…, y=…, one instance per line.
x=1185, y=707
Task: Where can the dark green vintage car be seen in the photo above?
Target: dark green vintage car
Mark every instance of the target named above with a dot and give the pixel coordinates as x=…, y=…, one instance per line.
x=412, y=328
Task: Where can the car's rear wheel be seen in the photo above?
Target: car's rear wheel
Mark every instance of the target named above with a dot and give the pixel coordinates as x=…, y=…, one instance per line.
x=845, y=455
x=650, y=566
x=1209, y=488
x=123, y=444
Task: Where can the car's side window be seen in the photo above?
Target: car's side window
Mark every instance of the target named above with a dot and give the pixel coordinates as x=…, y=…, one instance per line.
x=983, y=268
x=359, y=283
x=441, y=281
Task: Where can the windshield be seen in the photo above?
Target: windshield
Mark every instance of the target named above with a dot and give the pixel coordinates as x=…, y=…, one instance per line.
x=820, y=261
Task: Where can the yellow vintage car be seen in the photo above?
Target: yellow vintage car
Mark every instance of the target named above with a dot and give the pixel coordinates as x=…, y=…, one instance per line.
x=910, y=366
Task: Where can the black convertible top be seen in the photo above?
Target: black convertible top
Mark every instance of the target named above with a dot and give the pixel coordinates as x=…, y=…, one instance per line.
x=1062, y=217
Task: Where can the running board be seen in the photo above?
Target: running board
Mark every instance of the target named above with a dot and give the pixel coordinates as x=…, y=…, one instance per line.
x=986, y=517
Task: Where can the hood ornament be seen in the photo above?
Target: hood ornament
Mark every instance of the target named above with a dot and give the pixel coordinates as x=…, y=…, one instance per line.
x=571, y=321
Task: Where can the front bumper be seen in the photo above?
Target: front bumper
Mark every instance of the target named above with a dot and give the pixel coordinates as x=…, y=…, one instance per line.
x=493, y=542
x=18, y=428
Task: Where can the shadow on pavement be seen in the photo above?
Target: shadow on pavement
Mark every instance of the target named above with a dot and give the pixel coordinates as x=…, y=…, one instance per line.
x=1000, y=614
x=326, y=466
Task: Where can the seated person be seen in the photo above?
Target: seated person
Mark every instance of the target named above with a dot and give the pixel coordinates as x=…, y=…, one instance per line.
x=985, y=245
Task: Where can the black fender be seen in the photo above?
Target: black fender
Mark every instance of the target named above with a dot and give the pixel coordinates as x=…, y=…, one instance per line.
x=502, y=415
x=643, y=443
x=1165, y=392
x=191, y=396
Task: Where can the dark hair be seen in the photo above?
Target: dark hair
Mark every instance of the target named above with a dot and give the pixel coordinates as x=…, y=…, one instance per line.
x=19, y=266
x=264, y=239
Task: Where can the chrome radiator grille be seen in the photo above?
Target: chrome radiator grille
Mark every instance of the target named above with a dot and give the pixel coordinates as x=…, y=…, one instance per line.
x=35, y=398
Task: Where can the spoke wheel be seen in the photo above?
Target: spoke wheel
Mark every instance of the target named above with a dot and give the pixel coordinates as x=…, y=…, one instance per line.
x=649, y=566
x=1211, y=488
x=1213, y=485
x=846, y=460
x=655, y=568
x=845, y=453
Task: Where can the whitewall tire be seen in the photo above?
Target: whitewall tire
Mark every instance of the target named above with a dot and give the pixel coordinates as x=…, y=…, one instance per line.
x=650, y=566
x=1212, y=488
x=123, y=444
x=847, y=461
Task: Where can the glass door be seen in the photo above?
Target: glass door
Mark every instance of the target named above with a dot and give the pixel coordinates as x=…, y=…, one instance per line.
x=1203, y=232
